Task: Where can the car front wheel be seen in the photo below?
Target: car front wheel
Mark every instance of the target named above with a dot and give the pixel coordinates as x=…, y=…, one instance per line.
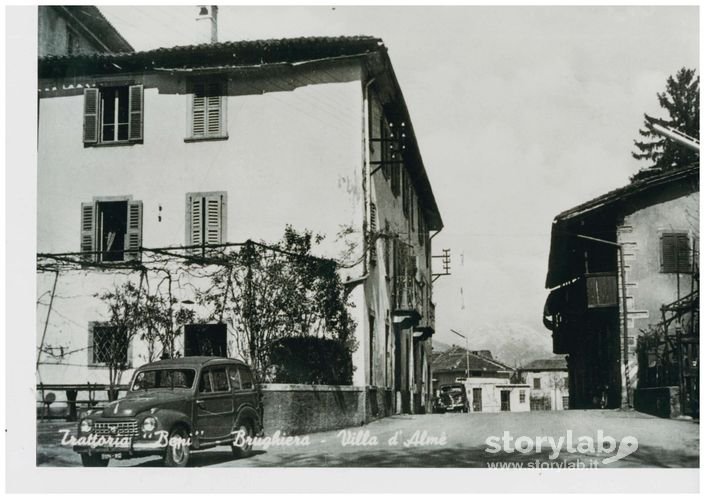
x=93, y=461
x=178, y=451
x=242, y=445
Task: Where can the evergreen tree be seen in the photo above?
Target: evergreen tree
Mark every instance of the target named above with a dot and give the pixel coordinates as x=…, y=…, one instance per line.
x=681, y=100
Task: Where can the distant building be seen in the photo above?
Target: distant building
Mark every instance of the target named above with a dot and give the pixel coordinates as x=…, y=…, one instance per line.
x=451, y=366
x=77, y=29
x=598, y=318
x=496, y=395
x=548, y=380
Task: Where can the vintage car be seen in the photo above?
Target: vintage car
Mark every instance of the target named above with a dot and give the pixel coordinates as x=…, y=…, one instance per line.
x=453, y=398
x=174, y=407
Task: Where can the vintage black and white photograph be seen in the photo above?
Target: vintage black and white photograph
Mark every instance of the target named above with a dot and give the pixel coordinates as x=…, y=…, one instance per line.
x=460, y=237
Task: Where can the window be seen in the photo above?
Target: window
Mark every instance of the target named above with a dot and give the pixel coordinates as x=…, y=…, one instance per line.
x=113, y=114
x=107, y=344
x=205, y=385
x=566, y=401
x=111, y=230
x=220, y=380
x=522, y=396
x=235, y=381
x=164, y=378
x=537, y=383
x=205, y=218
x=675, y=252
x=246, y=377
x=208, y=110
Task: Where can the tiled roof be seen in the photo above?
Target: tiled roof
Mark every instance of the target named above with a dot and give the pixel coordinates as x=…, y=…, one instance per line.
x=232, y=53
x=557, y=364
x=633, y=189
x=455, y=360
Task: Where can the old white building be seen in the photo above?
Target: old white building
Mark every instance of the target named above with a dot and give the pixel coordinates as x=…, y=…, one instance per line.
x=226, y=142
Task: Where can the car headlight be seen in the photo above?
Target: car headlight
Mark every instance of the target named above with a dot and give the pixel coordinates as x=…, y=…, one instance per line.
x=149, y=424
x=86, y=425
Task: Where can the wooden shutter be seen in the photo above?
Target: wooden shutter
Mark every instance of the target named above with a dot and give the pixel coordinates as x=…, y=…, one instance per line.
x=683, y=253
x=133, y=236
x=136, y=105
x=675, y=252
x=198, y=117
x=214, y=218
x=194, y=208
x=91, y=98
x=213, y=105
x=88, y=230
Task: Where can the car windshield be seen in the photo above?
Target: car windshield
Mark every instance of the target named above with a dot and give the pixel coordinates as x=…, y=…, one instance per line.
x=164, y=378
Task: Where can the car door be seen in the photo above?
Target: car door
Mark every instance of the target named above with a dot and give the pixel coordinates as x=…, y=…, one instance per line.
x=244, y=393
x=214, y=405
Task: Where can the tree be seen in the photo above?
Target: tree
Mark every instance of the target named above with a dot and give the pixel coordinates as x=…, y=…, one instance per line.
x=681, y=100
x=267, y=293
x=125, y=321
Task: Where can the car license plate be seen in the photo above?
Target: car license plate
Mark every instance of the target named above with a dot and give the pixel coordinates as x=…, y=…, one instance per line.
x=116, y=455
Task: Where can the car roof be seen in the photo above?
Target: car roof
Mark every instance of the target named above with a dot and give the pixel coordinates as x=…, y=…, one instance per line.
x=193, y=362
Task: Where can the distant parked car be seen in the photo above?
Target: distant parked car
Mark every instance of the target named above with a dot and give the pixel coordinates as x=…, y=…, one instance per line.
x=453, y=398
x=174, y=407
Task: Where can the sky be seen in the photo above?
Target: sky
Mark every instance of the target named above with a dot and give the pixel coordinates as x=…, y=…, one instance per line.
x=520, y=113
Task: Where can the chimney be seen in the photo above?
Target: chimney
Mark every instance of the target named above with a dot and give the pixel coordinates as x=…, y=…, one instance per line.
x=207, y=23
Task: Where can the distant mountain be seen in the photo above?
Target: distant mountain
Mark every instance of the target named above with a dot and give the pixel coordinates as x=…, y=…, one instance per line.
x=511, y=343
x=439, y=346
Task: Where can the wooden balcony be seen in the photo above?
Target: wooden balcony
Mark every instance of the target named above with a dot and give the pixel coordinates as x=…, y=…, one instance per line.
x=587, y=292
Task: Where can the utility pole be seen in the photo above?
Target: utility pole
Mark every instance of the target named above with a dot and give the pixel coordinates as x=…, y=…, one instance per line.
x=467, y=353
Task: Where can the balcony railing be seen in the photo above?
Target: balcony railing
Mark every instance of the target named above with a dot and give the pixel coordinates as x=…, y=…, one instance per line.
x=407, y=294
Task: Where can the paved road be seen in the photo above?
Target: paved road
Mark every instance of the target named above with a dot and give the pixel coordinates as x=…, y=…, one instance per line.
x=661, y=443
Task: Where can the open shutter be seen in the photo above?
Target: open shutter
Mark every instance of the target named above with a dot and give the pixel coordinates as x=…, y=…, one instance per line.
x=683, y=253
x=194, y=235
x=198, y=121
x=136, y=105
x=90, y=115
x=215, y=204
x=88, y=231
x=213, y=104
x=668, y=253
x=133, y=237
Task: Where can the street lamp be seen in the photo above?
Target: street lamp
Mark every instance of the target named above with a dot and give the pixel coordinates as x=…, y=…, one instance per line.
x=467, y=353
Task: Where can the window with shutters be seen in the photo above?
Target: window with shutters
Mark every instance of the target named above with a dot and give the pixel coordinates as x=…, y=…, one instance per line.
x=205, y=219
x=111, y=230
x=675, y=253
x=207, y=118
x=113, y=115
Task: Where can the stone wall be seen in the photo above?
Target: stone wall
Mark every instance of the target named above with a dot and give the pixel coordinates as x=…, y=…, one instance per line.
x=661, y=401
x=300, y=409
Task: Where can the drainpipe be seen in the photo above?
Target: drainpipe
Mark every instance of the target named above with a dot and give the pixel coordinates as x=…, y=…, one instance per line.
x=367, y=177
x=625, y=336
